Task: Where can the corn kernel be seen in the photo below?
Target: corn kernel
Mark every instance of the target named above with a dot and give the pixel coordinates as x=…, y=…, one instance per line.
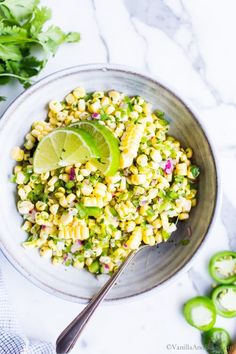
x=147, y=108
x=99, y=192
x=156, y=155
x=45, y=252
x=110, y=109
x=84, y=172
x=70, y=99
x=181, y=169
x=41, y=206
x=94, y=107
x=77, y=264
x=133, y=115
x=84, y=232
x=65, y=177
x=135, y=239
x=52, y=181
x=79, y=92
x=63, y=202
x=17, y=169
x=55, y=106
x=22, y=194
x=142, y=160
x=138, y=179
x=54, y=208
x=86, y=189
x=29, y=145
x=130, y=226
x=26, y=226
x=138, y=108
x=183, y=216
x=66, y=219
x=90, y=167
x=81, y=105
x=149, y=240
x=115, y=96
x=157, y=224
x=105, y=101
x=113, y=179
x=92, y=201
x=158, y=237
x=17, y=154
x=44, y=176
x=59, y=195
x=189, y=153
x=20, y=178
x=70, y=198
x=57, y=260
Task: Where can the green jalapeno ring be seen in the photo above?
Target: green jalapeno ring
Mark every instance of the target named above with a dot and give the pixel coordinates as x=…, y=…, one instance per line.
x=216, y=341
x=200, y=302
x=215, y=298
x=212, y=267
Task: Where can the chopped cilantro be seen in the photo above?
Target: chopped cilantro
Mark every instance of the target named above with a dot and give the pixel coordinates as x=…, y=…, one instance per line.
x=195, y=171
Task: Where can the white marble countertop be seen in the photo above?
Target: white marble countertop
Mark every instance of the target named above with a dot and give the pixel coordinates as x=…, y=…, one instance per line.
x=189, y=44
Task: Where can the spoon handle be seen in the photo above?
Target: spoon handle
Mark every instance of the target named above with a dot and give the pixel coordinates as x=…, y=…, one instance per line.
x=67, y=339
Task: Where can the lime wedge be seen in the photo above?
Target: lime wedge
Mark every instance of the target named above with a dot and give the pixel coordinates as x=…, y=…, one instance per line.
x=64, y=147
x=107, y=145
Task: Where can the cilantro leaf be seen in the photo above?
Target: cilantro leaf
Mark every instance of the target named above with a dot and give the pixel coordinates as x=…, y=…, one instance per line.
x=18, y=9
x=10, y=51
x=41, y=15
x=51, y=39
x=72, y=37
x=22, y=34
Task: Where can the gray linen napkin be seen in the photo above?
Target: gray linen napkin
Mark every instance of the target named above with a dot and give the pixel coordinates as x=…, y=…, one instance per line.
x=12, y=340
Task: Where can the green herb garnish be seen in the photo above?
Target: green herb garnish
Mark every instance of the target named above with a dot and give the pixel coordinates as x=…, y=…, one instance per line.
x=195, y=171
x=22, y=33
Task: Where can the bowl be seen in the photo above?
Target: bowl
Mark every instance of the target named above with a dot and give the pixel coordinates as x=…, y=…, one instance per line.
x=153, y=268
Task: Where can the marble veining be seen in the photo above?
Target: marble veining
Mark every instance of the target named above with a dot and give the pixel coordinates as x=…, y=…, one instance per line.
x=100, y=32
x=188, y=44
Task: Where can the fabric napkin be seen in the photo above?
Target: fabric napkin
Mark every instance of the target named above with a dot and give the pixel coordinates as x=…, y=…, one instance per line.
x=12, y=339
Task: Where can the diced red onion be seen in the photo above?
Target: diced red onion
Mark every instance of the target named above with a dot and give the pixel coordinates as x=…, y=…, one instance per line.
x=168, y=167
x=96, y=115
x=65, y=257
x=72, y=174
x=32, y=214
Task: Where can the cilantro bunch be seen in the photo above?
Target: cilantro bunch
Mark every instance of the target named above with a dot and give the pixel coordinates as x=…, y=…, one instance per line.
x=25, y=45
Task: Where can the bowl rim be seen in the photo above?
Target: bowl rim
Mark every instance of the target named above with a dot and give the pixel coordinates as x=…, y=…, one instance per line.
x=188, y=106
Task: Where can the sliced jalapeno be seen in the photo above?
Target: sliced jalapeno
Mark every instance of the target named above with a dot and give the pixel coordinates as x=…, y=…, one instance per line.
x=200, y=313
x=222, y=267
x=224, y=299
x=216, y=341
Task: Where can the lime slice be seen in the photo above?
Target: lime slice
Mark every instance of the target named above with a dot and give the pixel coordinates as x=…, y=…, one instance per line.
x=107, y=145
x=64, y=147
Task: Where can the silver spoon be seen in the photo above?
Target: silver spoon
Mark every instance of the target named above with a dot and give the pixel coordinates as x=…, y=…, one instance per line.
x=67, y=339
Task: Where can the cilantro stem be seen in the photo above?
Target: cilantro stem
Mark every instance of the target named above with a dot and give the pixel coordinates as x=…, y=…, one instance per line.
x=16, y=40
x=15, y=76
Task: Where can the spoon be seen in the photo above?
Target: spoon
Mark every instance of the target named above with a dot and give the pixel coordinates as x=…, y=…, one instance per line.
x=67, y=339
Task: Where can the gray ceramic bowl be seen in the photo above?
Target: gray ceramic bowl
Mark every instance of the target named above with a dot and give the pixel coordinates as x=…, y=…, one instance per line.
x=153, y=268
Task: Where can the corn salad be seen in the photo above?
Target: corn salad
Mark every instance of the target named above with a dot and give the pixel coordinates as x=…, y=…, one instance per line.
x=77, y=216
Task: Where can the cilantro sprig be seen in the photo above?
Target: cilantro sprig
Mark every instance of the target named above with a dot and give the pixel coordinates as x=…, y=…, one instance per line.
x=22, y=34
